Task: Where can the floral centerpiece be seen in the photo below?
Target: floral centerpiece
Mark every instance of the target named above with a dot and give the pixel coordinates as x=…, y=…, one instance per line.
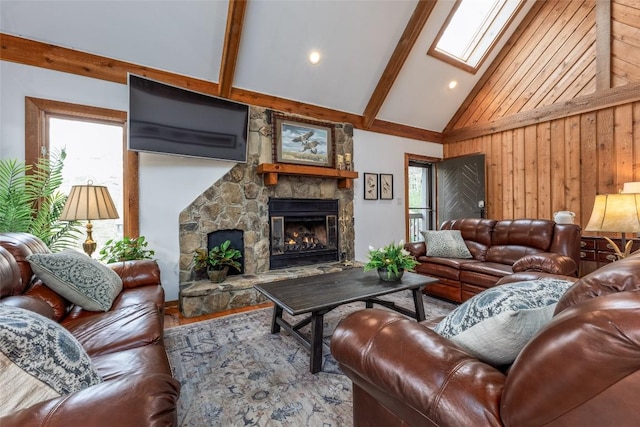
x=391, y=261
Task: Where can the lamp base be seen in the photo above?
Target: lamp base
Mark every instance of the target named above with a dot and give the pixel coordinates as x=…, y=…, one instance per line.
x=89, y=245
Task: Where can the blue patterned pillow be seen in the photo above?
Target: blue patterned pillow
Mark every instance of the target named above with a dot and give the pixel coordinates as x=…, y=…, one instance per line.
x=446, y=244
x=497, y=323
x=80, y=279
x=39, y=360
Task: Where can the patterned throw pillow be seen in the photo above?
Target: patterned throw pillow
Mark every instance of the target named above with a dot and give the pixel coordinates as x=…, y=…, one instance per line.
x=446, y=244
x=39, y=360
x=498, y=322
x=80, y=279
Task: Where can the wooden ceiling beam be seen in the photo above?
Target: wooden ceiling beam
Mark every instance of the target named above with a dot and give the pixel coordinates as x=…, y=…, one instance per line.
x=232, y=36
x=400, y=54
x=38, y=54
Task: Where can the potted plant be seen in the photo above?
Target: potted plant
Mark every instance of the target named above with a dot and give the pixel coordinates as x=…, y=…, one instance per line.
x=390, y=261
x=125, y=249
x=217, y=261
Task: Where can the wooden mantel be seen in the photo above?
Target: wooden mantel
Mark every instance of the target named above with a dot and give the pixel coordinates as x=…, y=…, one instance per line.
x=272, y=170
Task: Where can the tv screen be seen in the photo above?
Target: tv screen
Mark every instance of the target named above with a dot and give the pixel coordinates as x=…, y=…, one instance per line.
x=170, y=120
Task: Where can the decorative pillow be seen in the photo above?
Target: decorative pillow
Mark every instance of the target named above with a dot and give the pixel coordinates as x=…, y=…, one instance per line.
x=446, y=244
x=80, y=279
x=498, y=322
x=39, y=360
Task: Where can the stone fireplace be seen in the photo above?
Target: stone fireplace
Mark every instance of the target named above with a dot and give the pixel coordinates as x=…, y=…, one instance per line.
x=240, y=201
x=302, y=232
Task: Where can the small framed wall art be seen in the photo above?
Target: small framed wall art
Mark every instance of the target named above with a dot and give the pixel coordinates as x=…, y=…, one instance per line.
x=301, y=141
x=370, y=186
x=386, y=186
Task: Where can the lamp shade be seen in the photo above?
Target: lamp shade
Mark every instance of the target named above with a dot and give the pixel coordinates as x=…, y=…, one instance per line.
x=617, y=213
x=631, y=187
x=87, y=202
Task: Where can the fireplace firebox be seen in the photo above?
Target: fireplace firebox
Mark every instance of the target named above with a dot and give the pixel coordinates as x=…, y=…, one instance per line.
x=303, y=232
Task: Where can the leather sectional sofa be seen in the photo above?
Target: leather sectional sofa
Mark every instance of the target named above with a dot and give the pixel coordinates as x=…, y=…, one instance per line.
x=124, y=344
x=498, y=249
x=581, y=369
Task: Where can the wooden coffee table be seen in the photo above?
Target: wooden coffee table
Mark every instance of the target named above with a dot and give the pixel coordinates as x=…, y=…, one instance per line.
x=322, y=293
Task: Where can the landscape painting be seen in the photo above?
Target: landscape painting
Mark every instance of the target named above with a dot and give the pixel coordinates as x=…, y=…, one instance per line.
x=302, y=141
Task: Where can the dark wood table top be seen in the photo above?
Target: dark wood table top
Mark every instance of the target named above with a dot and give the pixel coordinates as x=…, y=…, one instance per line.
x=325, y=291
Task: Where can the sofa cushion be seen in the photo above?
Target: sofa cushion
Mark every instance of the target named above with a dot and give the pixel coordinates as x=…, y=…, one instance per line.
x=445, y=243
x=40, y=360
x=497, y=323
x=80, y=279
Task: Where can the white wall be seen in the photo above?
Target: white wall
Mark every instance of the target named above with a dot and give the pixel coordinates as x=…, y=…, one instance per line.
x=169, y=183
x=380, y=222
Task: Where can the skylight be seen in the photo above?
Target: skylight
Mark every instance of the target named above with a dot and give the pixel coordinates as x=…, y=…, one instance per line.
x=471, y=30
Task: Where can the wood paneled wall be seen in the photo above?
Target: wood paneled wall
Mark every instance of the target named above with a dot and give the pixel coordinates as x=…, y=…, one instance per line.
x=625, y=42
x=561, y=164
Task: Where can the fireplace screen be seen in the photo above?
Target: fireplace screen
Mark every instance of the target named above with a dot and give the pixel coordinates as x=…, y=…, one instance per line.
x=303, y=231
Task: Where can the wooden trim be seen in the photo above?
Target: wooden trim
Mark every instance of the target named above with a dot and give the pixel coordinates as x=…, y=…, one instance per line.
x=584, y=104
x=272, y=170
x=37, y=110
x=528, y=19
x=37, y=54
x=603, y=44
x=235, y=21
x=409, y=37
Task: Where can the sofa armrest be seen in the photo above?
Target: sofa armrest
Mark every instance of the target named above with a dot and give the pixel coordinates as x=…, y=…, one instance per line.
x=416, y=249
x=135, y=401
x=413, y=369
x=547, y=262
x=599, y=386
x=135, y=273
x=525, y=276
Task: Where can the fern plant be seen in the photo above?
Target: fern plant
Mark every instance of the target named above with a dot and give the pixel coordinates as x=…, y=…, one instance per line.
x=30, y=200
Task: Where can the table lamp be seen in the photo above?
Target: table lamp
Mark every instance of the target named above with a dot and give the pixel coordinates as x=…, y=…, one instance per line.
x=87, y=202
x=616, y=213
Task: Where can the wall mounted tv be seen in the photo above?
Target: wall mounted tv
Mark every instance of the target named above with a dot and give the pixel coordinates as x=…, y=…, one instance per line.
x=170, y=120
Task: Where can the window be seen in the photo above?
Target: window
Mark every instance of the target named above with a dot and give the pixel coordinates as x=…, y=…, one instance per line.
x=471, y=30
x=50, y=125
x=419, y=172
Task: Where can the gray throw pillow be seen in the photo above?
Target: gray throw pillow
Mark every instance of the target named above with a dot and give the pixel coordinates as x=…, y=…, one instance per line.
x=497, y=323
x=446, y=244
x=39, y=360
x=80, y=279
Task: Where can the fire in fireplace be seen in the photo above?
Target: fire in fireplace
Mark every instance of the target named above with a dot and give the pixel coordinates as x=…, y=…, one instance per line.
x=303, y=232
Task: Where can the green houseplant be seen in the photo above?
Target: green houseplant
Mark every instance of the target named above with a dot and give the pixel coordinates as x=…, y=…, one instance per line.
x=126, y=249
x=390, y=261
x=217, y=261
x=30, y=200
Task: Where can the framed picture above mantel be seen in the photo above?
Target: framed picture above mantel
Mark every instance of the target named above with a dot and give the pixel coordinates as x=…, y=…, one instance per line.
x=303, y=142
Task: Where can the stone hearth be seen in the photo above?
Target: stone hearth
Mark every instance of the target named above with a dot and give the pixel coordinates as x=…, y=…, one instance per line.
x=239, y=201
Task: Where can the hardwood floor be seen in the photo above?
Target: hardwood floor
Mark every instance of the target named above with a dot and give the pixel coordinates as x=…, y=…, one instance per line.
x=173, y=317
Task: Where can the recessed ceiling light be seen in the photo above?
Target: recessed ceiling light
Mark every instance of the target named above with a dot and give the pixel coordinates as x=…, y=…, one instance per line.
x=453, y=84
x=314, y=57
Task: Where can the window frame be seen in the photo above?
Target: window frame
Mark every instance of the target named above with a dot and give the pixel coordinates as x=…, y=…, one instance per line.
x=37, y=113
x=434, y=52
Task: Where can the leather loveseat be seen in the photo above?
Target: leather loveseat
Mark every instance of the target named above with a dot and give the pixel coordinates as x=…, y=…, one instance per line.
x=498, y=249
x=581, y=369
x=124, y=344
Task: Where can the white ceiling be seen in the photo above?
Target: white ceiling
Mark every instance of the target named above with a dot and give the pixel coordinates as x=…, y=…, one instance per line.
x=355, y=37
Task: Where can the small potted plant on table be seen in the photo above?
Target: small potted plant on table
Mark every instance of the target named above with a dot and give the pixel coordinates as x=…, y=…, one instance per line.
x=217, y=261
x=390, y=261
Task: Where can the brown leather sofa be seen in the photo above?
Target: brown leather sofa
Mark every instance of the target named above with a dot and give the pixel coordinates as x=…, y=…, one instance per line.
x=125, y=345
x=582, y=369
x=498, y=249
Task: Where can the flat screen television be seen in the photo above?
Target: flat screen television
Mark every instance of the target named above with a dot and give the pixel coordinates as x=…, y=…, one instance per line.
x=170, y=120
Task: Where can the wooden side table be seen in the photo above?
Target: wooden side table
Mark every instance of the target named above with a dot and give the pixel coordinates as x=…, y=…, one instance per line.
x=595, y=252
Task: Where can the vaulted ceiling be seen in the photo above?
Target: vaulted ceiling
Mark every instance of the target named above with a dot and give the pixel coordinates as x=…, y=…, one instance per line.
x=374, y=71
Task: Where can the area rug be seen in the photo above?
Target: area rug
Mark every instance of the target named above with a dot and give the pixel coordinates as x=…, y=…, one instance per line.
x=234, y=372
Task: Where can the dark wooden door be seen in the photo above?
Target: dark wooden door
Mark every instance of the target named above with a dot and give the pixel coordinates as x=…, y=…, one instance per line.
x=460, y=188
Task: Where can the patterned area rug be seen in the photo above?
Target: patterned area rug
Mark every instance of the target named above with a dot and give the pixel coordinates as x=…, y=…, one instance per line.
x=234, y=372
